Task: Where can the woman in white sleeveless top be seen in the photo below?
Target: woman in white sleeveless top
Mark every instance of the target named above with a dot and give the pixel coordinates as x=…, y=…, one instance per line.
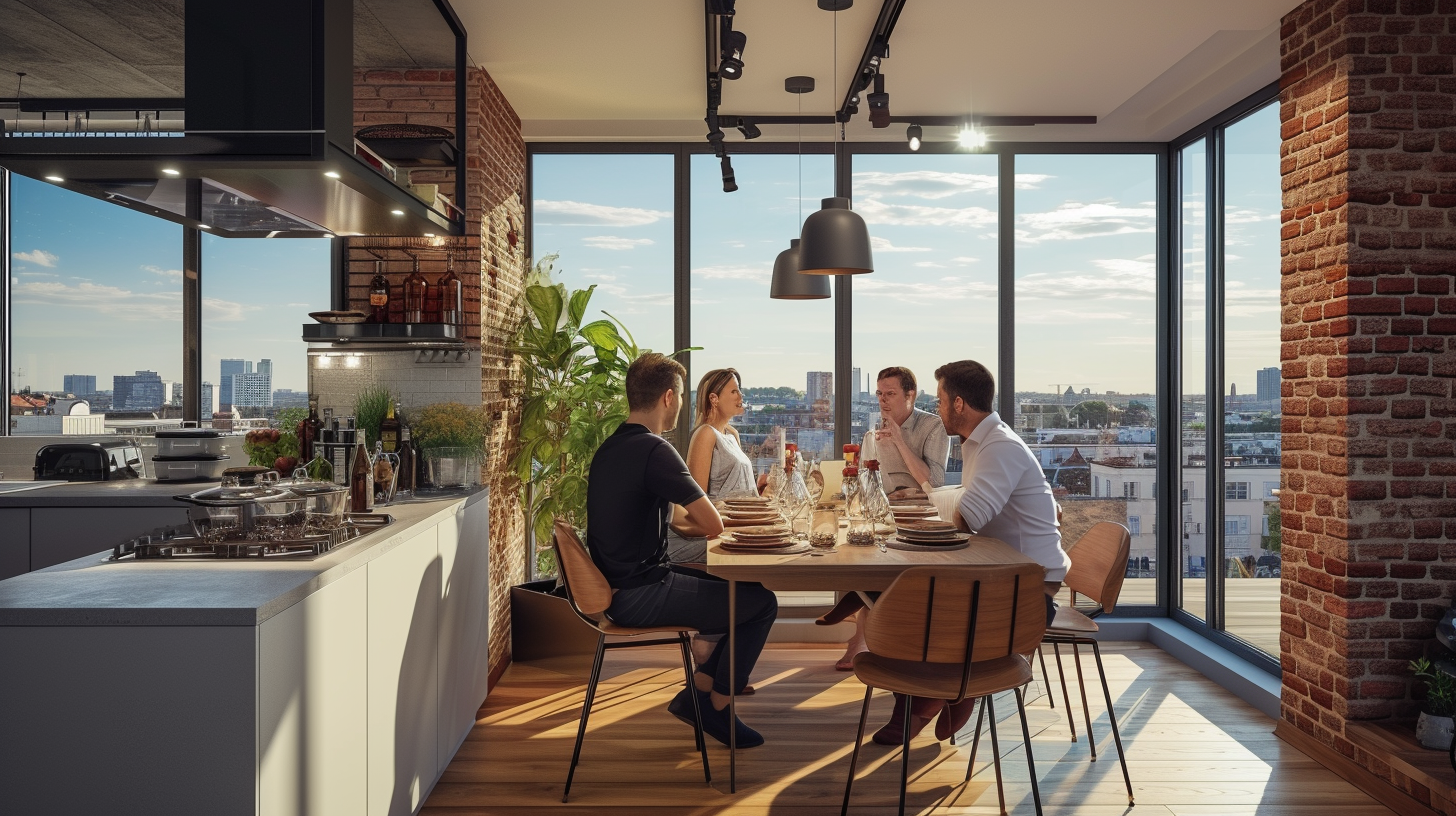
x=715, y=458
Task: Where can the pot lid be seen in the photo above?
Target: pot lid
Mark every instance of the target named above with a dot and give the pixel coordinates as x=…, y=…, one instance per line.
x=236, y=495
x=309, y=487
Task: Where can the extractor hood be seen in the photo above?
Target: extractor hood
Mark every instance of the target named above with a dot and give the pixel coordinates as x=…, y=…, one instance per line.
x=264, y=127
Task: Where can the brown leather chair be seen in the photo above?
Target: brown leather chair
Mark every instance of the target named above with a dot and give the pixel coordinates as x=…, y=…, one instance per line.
x=952, y=633
x=1099, y=563
x=590, y=595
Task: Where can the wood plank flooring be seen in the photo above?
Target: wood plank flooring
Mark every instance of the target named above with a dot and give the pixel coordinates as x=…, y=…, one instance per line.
x=1193, y=749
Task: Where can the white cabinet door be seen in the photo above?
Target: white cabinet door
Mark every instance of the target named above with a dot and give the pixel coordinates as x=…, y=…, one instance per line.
x=464, y=653
x=404, y=601
x=312, y=737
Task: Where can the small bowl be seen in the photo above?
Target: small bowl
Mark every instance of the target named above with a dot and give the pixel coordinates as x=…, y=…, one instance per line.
x=339, y=317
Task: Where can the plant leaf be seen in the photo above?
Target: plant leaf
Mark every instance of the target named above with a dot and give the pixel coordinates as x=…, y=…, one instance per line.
x=545, y=303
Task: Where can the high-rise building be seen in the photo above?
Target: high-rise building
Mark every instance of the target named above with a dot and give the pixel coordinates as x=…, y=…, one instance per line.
x=80, y=384
x=1268, y=384
x=858, y=383
x=140, y=392
x=206, y=400
x=225, y=382
x=820, y=387
x=252, y=390
x=265, y=366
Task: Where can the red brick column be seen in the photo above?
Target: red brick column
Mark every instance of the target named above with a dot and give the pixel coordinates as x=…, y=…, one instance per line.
x=490, y=260
x=1368, y=104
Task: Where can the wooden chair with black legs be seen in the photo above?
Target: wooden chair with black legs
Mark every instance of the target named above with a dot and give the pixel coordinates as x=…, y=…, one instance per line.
x=590, y=595
x=1099, y=563
x=952, y=633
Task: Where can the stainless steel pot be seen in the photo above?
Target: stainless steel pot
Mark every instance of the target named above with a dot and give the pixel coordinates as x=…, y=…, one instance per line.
x=191, y=442
x=326, y=501
x=248, y=507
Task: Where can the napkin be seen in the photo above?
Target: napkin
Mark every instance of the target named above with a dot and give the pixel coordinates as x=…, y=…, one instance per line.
x=947, y=501
x=833, y=470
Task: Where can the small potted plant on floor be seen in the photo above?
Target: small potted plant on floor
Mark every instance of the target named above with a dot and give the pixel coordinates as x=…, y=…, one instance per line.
x=1434, y=729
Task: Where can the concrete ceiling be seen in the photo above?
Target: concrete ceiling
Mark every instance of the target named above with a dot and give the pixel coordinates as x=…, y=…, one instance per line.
x=634, y=69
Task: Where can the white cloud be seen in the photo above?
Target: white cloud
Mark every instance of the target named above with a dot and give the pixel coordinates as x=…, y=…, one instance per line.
x=603, y=278
x=173, y=274
x=930, y=264
x=615, y=242
x=123, y=304
x=1126, y=278
x=878, y=212
x=760, y=274
x=37, y=275
x=964, y=260
x=922, y=183
x=924, y=293
x=1031, y=181
x=578, y=213
x=1075, y=220
x=879, y=244
x=39, y=257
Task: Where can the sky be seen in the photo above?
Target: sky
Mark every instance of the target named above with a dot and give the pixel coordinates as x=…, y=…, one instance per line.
x=97, y=289
x=1085, y=245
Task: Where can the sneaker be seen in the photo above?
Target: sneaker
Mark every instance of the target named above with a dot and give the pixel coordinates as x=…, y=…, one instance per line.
x=715, y=722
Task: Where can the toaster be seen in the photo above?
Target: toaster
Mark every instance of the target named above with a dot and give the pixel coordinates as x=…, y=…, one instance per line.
x=90, y=461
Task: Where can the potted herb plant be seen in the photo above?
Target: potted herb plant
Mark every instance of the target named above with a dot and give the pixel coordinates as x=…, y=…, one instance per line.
x=1435, y=727
x=451, y=437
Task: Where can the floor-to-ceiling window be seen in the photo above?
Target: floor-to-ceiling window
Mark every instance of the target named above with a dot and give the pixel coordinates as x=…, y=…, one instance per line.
x=608, y=219
x=784, y=349
x=96, y=308
x=1193, y=405
x=933, y=296
x=1085, y=342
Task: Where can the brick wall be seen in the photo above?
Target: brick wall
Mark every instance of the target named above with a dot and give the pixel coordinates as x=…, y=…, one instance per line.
x=1368, y=105
x=490, y=260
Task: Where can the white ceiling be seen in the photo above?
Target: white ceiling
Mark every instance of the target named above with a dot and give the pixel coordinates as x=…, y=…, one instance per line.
x=629, y=70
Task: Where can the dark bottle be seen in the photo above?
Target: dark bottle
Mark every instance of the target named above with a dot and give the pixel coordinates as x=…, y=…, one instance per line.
x=361, y=481
x=389, y=431
x=379, y=295
x=308, y=431
x=452, y=295
x=415, y=289
x=406, y=462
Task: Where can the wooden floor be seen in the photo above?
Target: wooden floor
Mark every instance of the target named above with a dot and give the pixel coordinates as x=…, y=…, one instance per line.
x=1193, y=749
x=1251, y=605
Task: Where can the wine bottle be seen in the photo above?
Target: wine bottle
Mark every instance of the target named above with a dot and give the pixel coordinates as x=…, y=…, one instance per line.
x=415, y=290
x=379, y=295
x=452, y=295
x=406, y=461
x=361, y=480
x=308, y=430
x=389, y=431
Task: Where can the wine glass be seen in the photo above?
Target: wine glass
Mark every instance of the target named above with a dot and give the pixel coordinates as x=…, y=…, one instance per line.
x=814, y=482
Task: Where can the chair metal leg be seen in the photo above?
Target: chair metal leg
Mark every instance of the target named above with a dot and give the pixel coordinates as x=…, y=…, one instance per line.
x=905, y=751
x=1112, y=718
x=976, y=740
x=996, y=752
x=864, y=712
x=1046, y=681
x=1030, y=763
x=686, y=644
x=1086, y=709
x=1066, y=700
x=591, y=691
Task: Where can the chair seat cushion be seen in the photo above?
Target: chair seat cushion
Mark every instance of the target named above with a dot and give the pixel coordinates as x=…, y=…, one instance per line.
x=941, y=680
x=609, y=628
x=1069, y=622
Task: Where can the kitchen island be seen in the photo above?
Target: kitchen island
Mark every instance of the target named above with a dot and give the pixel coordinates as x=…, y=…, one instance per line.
x=342, y=684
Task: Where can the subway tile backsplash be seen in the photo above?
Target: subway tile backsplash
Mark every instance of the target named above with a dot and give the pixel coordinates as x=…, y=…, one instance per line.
x=415, y=379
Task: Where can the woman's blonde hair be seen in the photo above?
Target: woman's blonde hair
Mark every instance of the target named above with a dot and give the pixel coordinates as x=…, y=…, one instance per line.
x=713, y=383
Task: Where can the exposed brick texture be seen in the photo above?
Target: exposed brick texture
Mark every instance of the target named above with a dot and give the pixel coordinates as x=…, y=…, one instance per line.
x=490, y=260
x=1368, y=106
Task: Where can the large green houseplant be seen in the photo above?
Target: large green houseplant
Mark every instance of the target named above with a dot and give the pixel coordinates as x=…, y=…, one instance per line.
x=573, y=398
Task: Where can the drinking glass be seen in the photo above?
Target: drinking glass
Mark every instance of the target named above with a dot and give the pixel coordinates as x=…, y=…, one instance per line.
x=814, y=482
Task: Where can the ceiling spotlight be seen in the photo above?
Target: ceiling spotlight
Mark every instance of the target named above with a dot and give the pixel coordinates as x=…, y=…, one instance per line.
x=397, y=212
x=730, y=184
x=912, y=135
x=879, y=104
x=731, y=67
x=331, y=173
x=972, y=137
x=169, y=171
x=749, y=130
x=56, y=179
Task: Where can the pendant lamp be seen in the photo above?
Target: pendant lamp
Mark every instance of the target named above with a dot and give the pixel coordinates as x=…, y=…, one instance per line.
x=835, y=241
x=789, y=284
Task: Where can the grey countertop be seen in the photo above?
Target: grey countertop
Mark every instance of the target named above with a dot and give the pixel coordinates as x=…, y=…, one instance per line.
x=93, y=591
x=120, y=493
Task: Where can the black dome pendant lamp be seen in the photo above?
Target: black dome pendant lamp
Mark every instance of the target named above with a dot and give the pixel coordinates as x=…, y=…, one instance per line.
x=788, y=283
x=835, y=240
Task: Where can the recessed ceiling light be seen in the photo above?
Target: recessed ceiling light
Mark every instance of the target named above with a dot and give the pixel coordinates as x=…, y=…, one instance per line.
x=331, y=174
x=54, y=178
x=169, y=171
x=397, y=212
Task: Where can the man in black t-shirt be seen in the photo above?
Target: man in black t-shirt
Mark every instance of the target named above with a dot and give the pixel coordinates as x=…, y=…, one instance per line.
x=637, y=479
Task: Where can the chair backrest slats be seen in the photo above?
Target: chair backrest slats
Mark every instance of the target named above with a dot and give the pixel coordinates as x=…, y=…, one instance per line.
x=1099, y=563
x=943, y=614
x=585, y=585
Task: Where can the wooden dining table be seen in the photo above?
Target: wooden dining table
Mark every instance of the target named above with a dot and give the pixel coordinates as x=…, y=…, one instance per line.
x=846, y=568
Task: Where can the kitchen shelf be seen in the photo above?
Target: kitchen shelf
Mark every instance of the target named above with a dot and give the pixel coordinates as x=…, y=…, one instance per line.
x=409, y=333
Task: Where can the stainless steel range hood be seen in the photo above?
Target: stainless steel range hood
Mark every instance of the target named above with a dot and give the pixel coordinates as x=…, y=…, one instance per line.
x=266, y=122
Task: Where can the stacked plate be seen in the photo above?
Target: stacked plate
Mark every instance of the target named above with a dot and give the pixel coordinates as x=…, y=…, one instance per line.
x=754, y=509
x=757, y=539
x=931, y=534
x=911, y=512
